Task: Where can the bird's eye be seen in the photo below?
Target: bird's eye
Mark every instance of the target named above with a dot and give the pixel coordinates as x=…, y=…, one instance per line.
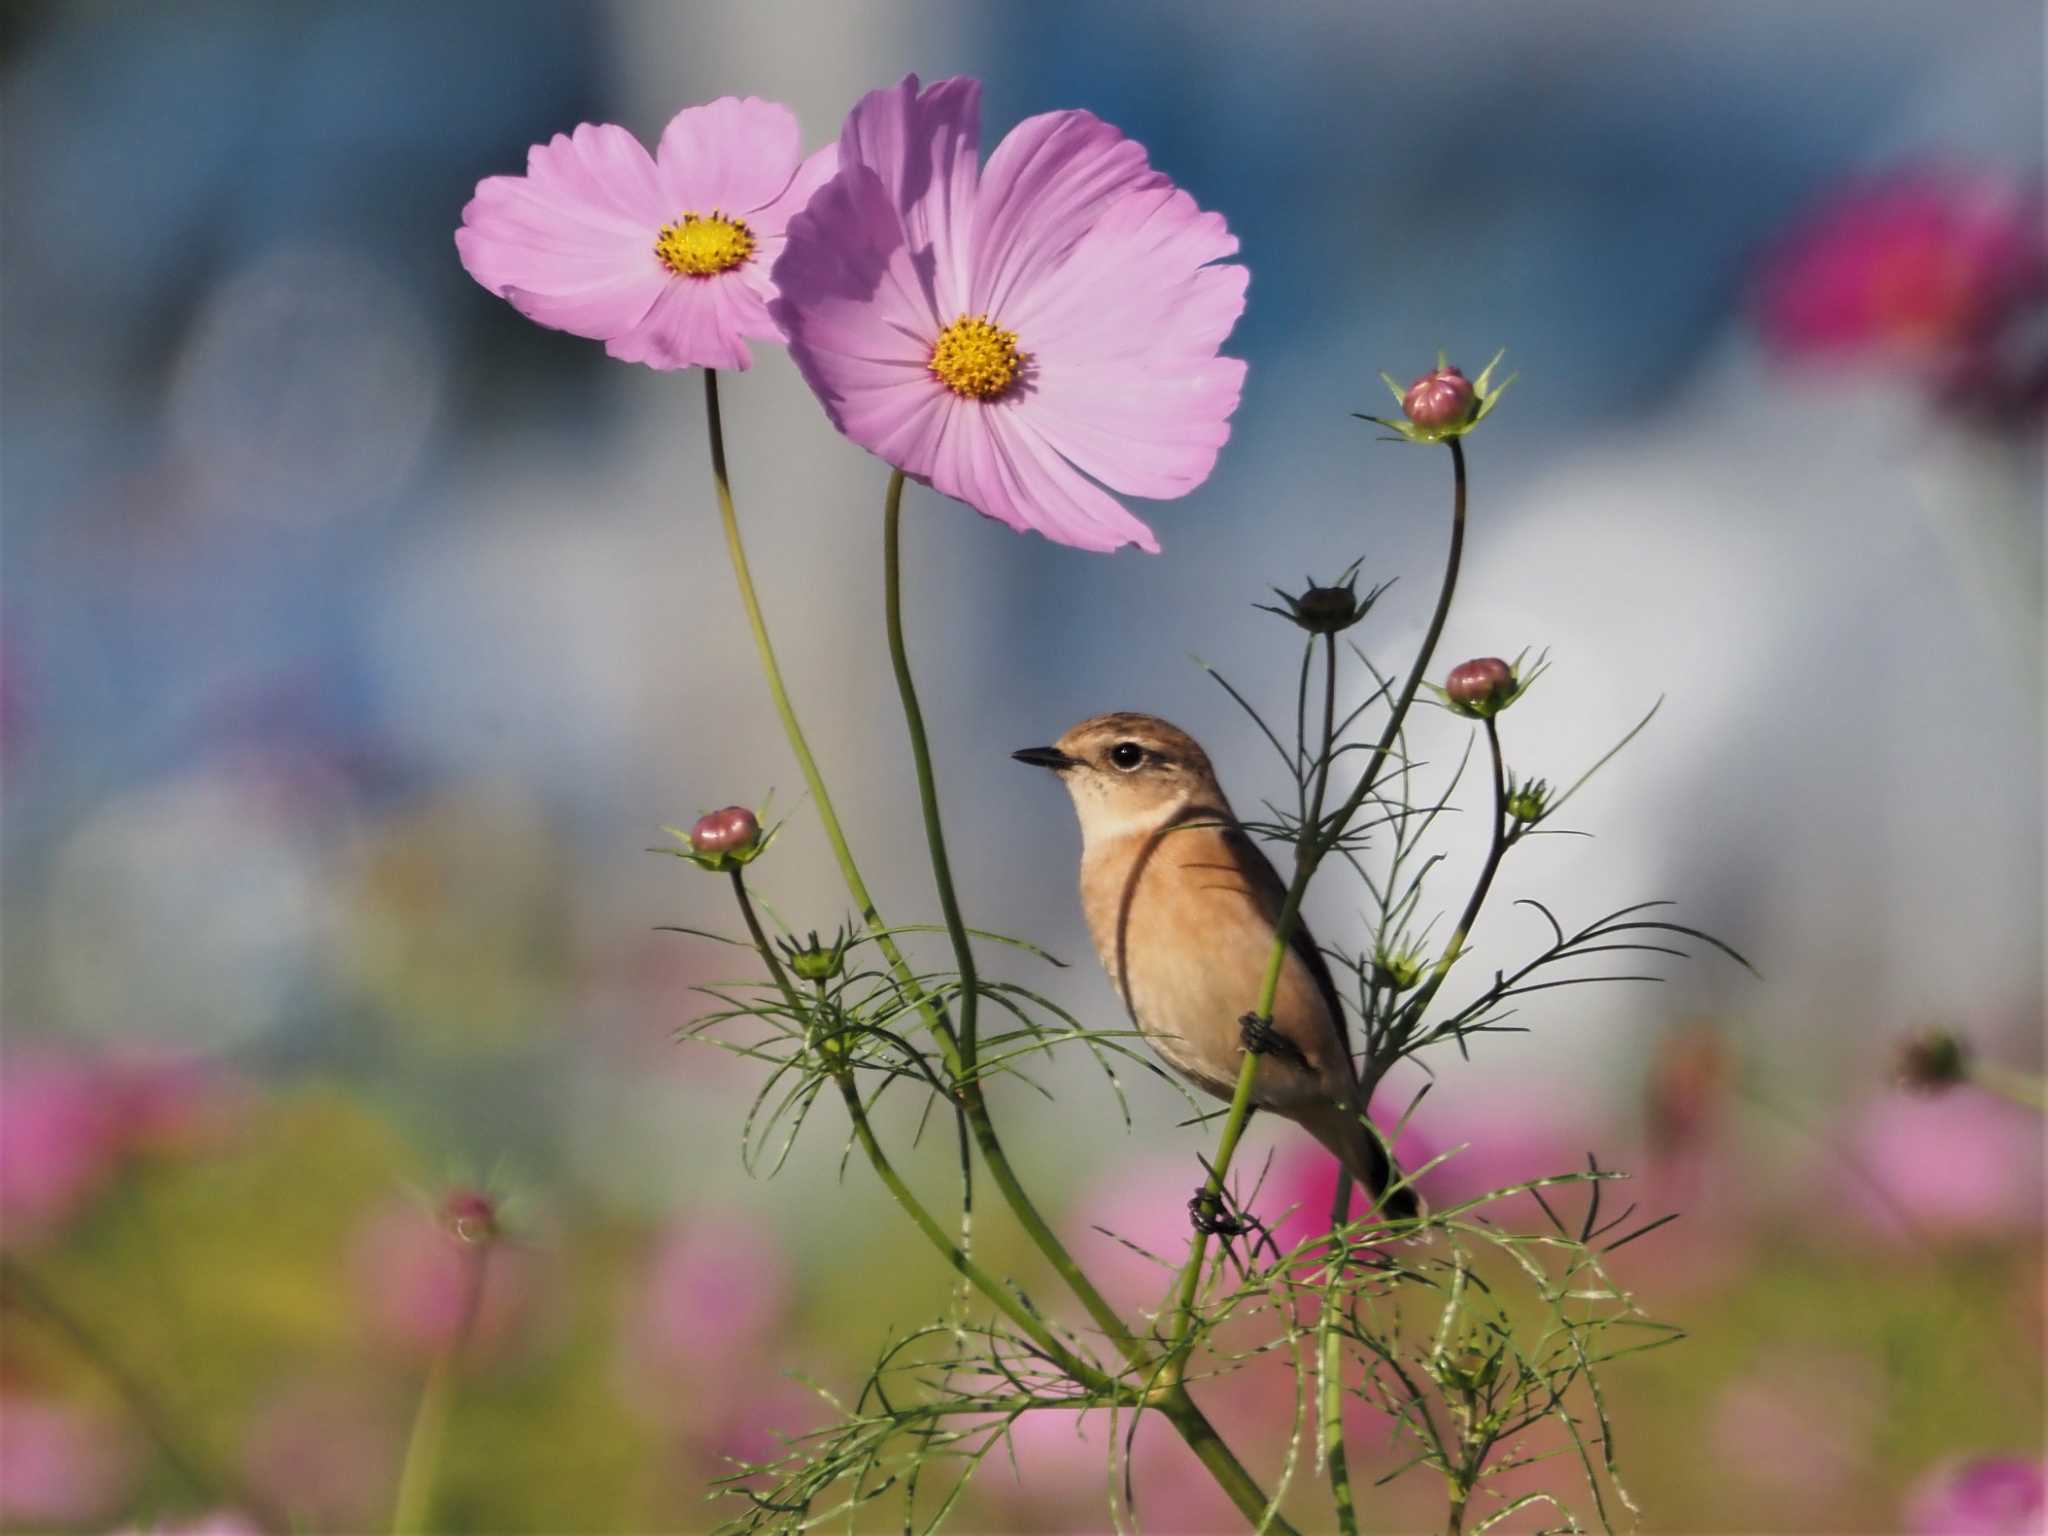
x=1126, y=755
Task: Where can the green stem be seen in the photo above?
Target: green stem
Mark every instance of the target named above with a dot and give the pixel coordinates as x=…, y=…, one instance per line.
x=961, y=1057
x=1330, y=1377
x=1290, y=909
x=982, y=1130
x=760, y=937
x=430, y=1420
x=1223, y=1465
x=813, y=780
x=927, y=781
x=1504, y=838
x=885, y=1170
x=1029, y=1322
x=1171, y=1398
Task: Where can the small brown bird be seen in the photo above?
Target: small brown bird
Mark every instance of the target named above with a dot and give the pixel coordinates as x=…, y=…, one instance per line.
x=1182, y=906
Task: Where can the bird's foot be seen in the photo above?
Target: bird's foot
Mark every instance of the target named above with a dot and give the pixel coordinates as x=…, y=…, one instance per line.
x=1261, y=1039
x=1206, y=1211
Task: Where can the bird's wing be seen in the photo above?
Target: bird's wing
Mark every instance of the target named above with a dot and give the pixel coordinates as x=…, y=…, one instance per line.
x=1271, y=893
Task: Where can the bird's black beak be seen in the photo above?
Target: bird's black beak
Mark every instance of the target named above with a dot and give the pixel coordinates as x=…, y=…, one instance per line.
x=1046, y=757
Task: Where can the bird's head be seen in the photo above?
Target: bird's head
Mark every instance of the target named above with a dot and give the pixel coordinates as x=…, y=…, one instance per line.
x=1129, y=774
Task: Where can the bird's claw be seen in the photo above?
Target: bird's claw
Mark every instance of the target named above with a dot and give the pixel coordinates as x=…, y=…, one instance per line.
x=1261, y=1039
x=1208, y=1215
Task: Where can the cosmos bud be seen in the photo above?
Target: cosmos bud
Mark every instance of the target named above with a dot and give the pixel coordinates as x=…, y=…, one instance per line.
x=1439, y=400
x=1481, y=686
x=471, y=1215
x=1441, y=404
x=732, y=830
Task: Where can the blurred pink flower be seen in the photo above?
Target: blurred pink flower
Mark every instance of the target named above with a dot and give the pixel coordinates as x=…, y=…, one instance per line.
x=416, y=1278
x=757, y=1425
x=1012, y=336
x=1990, y=1496
x=1144, y=1204
x=60, y=1141
x=1500, y=1137
x=716, y=1290
x=1960, y=1164
x=219, y=1522
x=1295, y=1199
x=666, y=259
x=1800, y=1426
x=59, y=1465
x=326, y=1452
x=68, y=1122
x=1063, y=1471
x=171, y=1107
x=1910, y=264
x=1944, y=271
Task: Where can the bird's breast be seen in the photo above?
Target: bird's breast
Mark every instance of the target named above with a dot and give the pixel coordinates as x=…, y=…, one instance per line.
x=1185, y=930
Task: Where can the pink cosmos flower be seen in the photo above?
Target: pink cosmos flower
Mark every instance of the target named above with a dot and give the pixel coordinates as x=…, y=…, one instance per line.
x=1013, y=334
x=664, y=260
x=1962, y=1165
x=60, y=1141
x=715, y=1293
x=416, y=1279
x=1914, y=266
x=1991, y=1496
x=59, y=1464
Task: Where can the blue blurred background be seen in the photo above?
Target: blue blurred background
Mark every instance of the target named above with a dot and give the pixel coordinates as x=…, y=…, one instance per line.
x=359, y=636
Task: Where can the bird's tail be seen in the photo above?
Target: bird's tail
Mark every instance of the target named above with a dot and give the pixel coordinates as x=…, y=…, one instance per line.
x=1363, y=1157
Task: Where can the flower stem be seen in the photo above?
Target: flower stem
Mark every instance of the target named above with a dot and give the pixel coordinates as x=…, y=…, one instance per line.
x=961, y=1049
x=969, y=1091
x=430, y=1420
x=1290, y=909
x=813, y=780
x=1034, y=1328
x=1504, y=838
x=1330, y=1367
x=1223, y=1465
x=927, y=782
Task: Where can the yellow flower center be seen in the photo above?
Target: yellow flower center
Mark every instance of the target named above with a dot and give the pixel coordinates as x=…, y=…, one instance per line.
x=975, y=358
x=703, y=244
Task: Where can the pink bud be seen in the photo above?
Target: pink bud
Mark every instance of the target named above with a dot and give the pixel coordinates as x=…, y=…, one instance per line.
x=1440, y=399
x=470, y=1215
x=725, y=831
x=1485, y=680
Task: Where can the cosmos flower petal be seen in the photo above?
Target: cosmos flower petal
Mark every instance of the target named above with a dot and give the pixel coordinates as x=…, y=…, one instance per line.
x=570, y=243
x=1141, y=252
x=695, y=323
x=770, y=225
x=770, y=222
x=1128, y=384
x=1016, y=477
x=925, y=148
x=1041, y=193
x=858, y=318
x=734, y=155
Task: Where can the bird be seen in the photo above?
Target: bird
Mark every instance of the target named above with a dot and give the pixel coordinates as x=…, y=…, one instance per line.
x=1183, y=907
